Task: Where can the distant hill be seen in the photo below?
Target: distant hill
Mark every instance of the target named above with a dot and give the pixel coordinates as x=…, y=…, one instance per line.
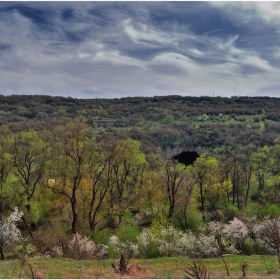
x=174, y=122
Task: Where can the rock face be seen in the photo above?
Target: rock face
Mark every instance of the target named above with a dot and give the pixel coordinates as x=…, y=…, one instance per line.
x=187, y=157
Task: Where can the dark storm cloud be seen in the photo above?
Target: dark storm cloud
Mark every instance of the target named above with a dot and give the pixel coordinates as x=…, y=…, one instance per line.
x=91, y=49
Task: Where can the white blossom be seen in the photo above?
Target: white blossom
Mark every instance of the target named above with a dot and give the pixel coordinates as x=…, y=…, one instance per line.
x=9, y=233
x=123, y=247
x=236, y=229
x=82, y=248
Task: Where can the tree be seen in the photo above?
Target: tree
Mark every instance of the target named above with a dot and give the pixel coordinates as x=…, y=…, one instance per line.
x=266, y=163
x=211, y=186
x=125, y=164
x=175, y=179
x=204, y=170
x=99, y=172
x=9, y=233
x=69, y=158
x=269, y=234
x=5, y=165
x=28, y=155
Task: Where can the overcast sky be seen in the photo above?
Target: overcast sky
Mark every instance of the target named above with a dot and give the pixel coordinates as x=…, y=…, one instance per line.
x=115, y=49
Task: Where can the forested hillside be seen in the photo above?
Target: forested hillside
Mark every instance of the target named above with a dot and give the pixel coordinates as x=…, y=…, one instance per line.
x=105, y=170
x=166, y=122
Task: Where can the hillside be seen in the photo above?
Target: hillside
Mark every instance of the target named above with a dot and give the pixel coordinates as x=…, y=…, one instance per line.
x=107, y=179
x=174, y=122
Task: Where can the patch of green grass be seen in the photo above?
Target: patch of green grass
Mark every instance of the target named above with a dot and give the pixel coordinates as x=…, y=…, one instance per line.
x=165, y=268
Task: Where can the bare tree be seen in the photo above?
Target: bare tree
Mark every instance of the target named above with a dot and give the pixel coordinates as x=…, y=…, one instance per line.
x=196, y=270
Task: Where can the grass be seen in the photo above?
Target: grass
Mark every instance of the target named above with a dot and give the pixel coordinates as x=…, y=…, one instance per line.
x=167, y=268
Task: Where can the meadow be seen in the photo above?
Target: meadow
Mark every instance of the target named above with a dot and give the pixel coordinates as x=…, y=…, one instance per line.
x=160, y=268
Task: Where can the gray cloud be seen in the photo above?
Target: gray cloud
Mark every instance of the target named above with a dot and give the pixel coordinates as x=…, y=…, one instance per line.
x=106, y=49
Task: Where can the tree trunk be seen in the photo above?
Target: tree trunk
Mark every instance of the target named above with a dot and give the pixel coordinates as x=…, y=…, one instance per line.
x=2, y=253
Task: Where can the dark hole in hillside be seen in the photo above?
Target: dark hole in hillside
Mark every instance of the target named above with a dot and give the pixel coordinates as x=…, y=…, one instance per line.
x=187, y=157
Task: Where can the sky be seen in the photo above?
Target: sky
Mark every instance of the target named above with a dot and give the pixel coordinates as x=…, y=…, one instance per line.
x=150, y=48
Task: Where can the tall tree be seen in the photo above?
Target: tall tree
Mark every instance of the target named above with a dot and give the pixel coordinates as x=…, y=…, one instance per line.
x=29, y=159
x=175, y=178
x=125, y=163
x=69, y=158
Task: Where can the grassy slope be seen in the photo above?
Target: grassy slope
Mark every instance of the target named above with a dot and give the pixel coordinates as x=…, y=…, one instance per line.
x=151, y=268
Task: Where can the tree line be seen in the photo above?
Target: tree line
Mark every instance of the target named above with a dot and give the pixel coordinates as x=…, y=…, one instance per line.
x=84, y=183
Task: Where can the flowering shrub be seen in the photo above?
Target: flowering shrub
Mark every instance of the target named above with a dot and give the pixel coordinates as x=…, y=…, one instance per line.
x=172, y=242
x=123, y=247
x=146, y=244
x=9, y=233
x=236, y=229
x=82, y=248
x=167, y=241
x=268, y=234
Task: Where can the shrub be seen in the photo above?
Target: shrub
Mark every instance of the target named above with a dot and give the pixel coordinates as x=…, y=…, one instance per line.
x=126, y=248
x=50, y=245
x=146, y=245
x=268, y=234
x=231, y=212
x=236, y=229
x=172, y=242
x=82, y=248
x=26, y=250
x=127, y=233
x=102, y=236
x=9, y=233
x=196, y=270
x=271, y=210
x=190, y=219
x=167, y=241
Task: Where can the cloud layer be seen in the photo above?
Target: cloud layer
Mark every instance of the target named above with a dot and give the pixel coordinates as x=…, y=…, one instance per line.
x=114, y=49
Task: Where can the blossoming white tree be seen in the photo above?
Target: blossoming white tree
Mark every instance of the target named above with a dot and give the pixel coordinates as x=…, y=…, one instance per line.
x=83, y=248
x=268, y=233
x=236, y=229
x=9, y=233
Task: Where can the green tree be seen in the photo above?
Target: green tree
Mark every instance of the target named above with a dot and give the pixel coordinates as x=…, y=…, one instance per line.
x=28, y=155
x=69, y=158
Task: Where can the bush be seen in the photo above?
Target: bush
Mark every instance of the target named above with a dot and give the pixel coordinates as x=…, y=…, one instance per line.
x=9, y=233
x=250, y=247
x=191, y=220
x=48, y=244
x=231, y=212
x=84, y=249
x=147, y=246
x=271, y=210
x=126, y=248
x=262, y=211
x=127, y=233
x=102, y=236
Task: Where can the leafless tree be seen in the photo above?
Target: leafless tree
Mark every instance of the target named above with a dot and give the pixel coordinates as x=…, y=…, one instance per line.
x=196, y=270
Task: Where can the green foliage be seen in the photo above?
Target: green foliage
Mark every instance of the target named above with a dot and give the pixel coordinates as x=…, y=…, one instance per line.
x=61, y=111
x=102, y=236
x=42, y=115
x=262, y=210
x=271, y=210
x=150, y=251
x=231, y=212
x=41, y=209
x=127, y=233
x=193, y=219
x=112, y=253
